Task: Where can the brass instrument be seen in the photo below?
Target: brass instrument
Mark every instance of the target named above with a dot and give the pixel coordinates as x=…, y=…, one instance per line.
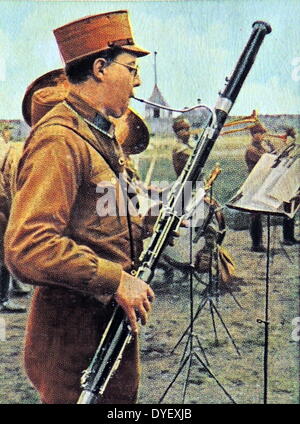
x=213, y=175
x=253, y=119
x=131, y=132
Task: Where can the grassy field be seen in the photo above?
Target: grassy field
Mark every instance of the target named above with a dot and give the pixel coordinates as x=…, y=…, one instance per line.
x=241, y=375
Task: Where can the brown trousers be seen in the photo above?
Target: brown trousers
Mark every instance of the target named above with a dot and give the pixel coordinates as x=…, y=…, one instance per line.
x=256, y=229
x=63, y=331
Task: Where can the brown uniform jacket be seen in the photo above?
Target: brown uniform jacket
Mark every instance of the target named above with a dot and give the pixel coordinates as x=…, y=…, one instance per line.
x=180, y=154
x=55, y=235
x=254, y=152
x=56, y=239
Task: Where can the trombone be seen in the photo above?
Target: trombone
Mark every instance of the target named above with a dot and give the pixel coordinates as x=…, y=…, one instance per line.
x=254, y=121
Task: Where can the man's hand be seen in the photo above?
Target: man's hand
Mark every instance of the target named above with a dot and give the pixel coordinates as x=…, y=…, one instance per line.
x=135, y=297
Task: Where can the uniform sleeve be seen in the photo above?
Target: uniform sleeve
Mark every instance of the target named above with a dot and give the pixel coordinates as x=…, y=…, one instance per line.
x=254, y=154
x=180, y=157
x=37, y=247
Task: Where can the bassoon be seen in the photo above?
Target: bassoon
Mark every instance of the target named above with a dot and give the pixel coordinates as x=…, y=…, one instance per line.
x=118, y=332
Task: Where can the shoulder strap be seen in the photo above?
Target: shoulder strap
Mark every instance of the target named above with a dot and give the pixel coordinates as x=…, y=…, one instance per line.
x=80, y=135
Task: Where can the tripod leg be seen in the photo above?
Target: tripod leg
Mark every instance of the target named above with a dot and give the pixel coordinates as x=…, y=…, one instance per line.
x=185, y=348
x=226, y=329
x=201, y=306
x=174, y=379
x=187, y=378
x=202, y=349
x=213, y=322
x=215, y=378
x=234, y=297
x=199, y=279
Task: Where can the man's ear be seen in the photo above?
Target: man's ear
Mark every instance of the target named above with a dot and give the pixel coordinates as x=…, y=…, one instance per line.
x=99, y=68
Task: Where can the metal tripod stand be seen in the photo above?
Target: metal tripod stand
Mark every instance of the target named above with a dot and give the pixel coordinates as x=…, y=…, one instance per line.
x=193, y=345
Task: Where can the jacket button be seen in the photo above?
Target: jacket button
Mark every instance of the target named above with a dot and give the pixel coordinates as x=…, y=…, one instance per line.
x=121, y=161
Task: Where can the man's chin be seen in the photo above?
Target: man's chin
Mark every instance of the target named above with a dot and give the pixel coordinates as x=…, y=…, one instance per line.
x=118, y=114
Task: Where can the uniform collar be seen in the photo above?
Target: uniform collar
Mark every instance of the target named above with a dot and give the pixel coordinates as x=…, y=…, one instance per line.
x=89, y=114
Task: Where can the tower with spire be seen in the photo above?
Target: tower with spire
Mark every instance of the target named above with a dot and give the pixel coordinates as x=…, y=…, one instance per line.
x=160, y=120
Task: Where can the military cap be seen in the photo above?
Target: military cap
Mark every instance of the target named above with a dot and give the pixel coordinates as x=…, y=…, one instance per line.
x=96, y=33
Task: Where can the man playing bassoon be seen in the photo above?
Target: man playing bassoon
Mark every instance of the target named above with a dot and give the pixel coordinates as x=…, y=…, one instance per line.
x=55, y=239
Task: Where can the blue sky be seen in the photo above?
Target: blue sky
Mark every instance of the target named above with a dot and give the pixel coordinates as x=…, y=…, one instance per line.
x=198, y=43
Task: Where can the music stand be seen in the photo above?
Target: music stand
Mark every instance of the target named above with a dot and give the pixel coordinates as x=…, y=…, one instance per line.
x=272, y=188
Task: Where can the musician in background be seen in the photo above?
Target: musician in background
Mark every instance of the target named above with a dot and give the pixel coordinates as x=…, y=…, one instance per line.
x=260, y=145
x=213, y=240
x=288, y=225
x=254, y=151
x=183, y=147
x=56, y=238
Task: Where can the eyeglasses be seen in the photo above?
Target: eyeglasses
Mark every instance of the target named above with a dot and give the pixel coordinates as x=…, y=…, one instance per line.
x=132, y=69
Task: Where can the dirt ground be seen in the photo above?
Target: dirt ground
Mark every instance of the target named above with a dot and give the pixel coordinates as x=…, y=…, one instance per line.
x=240, y=376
